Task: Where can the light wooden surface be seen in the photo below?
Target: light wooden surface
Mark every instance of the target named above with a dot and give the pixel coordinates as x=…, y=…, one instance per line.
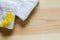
x=44, y=19
x=43, y=22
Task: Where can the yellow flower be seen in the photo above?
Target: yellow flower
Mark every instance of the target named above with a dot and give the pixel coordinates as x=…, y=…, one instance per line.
x=8, y=20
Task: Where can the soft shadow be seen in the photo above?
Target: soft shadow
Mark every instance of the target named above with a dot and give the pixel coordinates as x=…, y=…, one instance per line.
x=24, y=23
x=5, y=32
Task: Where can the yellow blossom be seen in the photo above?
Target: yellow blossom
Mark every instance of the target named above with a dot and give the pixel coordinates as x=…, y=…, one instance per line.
x=8, y=20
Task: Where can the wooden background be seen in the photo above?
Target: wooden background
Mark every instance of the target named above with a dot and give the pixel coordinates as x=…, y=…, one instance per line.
x=42, y=24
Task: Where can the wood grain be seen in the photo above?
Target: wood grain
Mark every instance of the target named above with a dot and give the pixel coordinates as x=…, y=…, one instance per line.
x=44, y=19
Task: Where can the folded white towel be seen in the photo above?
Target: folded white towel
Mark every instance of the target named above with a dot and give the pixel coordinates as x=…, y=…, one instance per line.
x=25, y=8
x=20, y=8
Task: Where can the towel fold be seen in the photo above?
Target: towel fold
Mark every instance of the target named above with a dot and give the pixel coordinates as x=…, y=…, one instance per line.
x=20, y=8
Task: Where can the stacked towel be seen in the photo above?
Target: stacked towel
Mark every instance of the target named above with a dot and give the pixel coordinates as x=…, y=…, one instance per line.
x=20, y=8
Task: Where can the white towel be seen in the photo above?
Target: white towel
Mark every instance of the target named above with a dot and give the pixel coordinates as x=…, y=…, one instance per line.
x=25, y=8
x=20, y=8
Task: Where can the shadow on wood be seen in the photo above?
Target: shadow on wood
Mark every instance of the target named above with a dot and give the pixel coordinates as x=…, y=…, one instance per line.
x=5, y=32
x=24, y=23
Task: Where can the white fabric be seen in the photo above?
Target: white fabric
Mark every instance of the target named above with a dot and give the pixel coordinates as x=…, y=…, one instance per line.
x=5, y=7
x=25, y=8
x=20, y=8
